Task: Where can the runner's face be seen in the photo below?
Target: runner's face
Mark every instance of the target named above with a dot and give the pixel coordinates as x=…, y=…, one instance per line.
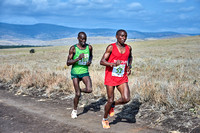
x=82, y=39
x=121, y=37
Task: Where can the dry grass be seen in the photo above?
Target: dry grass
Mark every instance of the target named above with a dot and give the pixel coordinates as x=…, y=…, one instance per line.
x=165, y=72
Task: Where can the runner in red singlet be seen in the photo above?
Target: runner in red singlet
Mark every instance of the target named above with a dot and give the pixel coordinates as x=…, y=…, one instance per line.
x=117, y=59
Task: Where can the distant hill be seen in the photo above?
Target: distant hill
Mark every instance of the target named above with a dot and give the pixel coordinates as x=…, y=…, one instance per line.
x=46, y=32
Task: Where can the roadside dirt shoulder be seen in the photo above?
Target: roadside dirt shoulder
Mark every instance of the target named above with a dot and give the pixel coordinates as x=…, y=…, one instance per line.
x=29, y=114
x=35, y=113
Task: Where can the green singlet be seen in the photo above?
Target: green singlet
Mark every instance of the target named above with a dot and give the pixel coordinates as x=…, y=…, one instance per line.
x=80, y=66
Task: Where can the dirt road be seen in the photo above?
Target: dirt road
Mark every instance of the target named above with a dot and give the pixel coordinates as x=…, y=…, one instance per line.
x=27, y=114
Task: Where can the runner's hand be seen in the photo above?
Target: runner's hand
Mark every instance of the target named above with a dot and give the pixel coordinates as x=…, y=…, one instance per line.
x=88, y=63
x=128, y=70
x=81, y=56
x=117, y=63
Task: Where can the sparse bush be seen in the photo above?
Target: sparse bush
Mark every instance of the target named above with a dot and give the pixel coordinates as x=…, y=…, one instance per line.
x=32, y=51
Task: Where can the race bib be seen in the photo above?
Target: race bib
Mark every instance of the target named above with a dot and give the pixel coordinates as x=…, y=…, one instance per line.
x=84, y=60
x=118, y=71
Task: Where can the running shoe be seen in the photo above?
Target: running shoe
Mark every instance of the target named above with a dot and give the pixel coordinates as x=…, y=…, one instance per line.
x=105, y=124
x=111, y=112
x=74, y=114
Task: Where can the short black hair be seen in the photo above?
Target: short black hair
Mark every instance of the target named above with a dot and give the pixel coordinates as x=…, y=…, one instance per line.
x=81, y=33
x=120, y=31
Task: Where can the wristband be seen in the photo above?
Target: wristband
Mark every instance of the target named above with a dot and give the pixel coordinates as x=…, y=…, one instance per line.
x=130, y=66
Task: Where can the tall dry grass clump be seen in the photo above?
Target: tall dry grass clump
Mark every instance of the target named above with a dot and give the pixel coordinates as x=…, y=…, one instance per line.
x=35, y=81
x=166, y=72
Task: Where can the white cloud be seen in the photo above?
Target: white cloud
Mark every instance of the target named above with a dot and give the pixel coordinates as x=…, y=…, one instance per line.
x=187, y=9
x=183, y=29
x=39, y=1
x=15, y=2
x=98, y=1
x=173, y=1
x=183, y=9
x=40, y=4
x=79, y=2
x=135, y=6
x=183, y=16
x=103, y=13
x=18, y=19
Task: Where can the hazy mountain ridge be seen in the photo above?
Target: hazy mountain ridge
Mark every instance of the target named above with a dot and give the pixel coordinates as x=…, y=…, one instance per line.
x=44, y=34
x=37, y=31
x=51, y=32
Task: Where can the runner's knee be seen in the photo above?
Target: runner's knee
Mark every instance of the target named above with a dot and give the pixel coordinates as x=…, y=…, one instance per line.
x=125, y=99
x=78, y=94
x=110, y=100
x=89, y=89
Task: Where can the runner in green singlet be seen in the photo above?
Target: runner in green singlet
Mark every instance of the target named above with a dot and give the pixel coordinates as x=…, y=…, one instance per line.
x=80, y=57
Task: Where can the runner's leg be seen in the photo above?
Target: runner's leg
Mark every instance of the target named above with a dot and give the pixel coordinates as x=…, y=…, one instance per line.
x=125, y=94
x=88, y=83
x=110, y=94
x=76, y=82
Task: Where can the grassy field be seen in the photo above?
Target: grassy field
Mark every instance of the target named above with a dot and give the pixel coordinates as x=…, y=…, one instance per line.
x=165, y=72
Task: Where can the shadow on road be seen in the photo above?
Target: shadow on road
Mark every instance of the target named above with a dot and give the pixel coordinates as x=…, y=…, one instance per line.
x=95, y=106
x=128, y=113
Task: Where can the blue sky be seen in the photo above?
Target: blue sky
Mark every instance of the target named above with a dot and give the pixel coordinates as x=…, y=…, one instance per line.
x=143, y=15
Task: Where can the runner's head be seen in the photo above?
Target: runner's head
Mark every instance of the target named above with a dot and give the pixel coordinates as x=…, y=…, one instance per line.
x=121, y=36
x=82, y=38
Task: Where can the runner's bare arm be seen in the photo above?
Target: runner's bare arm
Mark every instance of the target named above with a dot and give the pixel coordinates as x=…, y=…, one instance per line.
x=91, y=56
x=106, y=55
x=70, y=60
x=130, y=59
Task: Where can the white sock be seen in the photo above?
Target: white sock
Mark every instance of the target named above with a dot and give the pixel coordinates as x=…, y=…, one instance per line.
x=75, y=111
x=105, y=119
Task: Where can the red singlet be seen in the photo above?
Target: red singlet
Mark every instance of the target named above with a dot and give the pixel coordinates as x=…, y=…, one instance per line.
x=117, y=75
